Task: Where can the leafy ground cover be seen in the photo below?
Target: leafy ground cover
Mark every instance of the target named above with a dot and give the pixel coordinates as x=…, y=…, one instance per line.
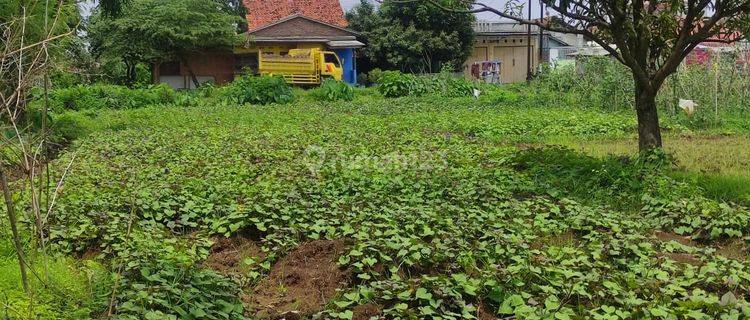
x=415, y=207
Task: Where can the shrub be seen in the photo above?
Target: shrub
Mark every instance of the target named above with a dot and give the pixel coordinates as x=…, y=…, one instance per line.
x=374, y=76
x=258, y=90
x=331, y=90
x=396, y=84
x=499, y=96
x=393, y=84
x=595, y=82
x=363, y=79
x=68, y=127
x=109, y=97
x=451, y=86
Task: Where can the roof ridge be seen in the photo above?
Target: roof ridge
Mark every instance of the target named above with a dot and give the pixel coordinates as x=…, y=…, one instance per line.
x=264, y=12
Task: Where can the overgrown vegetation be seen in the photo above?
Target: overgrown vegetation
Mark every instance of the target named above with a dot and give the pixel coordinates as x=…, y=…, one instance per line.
x=703, y=161
x=331, y=90
x=428, y=196
x=720, y=90
x=93, y=97
x=394, y=84
x=257, y=90
x=441, y=207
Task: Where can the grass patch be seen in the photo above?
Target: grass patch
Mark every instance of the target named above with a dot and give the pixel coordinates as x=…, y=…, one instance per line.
x=721, y=187
x=63, y=287
x=720, y=165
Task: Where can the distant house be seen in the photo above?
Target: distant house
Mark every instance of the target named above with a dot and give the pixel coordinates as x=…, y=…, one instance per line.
x=274, y=26
x=706, y=52
x=506, y=42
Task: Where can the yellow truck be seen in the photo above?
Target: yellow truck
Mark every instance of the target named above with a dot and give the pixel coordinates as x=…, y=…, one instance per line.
x=301, y=66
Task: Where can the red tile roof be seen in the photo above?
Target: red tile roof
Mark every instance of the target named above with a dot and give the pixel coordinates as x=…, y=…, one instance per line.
x=264, y=12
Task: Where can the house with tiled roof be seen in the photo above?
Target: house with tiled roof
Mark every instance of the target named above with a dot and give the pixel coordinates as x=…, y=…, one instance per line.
x=275, y=26
x=265, y=12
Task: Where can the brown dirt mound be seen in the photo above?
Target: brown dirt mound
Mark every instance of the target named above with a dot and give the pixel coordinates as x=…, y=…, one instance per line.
x=92, y=253
x=668, y=236
x=301, y=283
x=366, y=311
x=228, y=255
x=684, y=258
x=736, y=250
x=483, y=312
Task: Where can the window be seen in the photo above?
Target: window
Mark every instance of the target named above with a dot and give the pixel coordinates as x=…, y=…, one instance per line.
x=245, y=61
x=332, y=58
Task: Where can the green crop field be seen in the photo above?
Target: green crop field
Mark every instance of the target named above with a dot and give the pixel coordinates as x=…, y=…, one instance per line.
x=424, y=207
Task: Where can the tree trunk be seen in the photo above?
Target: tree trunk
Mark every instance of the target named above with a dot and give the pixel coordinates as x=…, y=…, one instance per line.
x=649, y=132
x=155, y=72
x=193, y=77
x=131, y=74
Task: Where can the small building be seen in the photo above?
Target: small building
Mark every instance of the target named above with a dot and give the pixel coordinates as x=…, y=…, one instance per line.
x=300, y=32
x=274, y=27
x=591, y=50
x=507, y=44
x=707, y=52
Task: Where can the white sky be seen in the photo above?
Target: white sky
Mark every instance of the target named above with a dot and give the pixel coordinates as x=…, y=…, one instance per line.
x=348, y=4
x=497, y=4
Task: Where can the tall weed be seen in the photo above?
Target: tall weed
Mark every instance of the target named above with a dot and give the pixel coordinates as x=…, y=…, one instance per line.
x=331, y=90
x=257, y=90
x=100, y=96
x=721, y=90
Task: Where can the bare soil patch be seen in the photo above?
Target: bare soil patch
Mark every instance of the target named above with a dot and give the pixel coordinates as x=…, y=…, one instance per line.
x=736, y=250
x=684, y=258
x=228, y=255
x=668, y=236
x=301, y=283
x=366, y=311
x=91, y=253
x=483, y=312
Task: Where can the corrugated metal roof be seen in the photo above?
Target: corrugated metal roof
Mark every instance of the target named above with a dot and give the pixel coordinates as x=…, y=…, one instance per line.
x=345, y=44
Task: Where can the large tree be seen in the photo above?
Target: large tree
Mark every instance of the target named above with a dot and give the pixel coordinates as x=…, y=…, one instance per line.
x=412, y=36
x=650, y=37
x=147, y=31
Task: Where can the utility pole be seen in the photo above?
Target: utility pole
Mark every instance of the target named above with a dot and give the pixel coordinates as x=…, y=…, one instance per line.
x=528, y=46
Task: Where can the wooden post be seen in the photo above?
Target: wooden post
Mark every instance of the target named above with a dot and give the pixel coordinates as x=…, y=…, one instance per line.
x=155, y=66
x=715, y=60
x=528, y=46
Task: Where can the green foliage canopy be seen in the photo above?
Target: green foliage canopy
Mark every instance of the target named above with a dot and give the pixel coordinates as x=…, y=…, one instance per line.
x=154, y=30
x=412, y=36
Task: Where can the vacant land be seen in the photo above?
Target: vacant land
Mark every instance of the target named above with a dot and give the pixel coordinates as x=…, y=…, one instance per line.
x=394, y=208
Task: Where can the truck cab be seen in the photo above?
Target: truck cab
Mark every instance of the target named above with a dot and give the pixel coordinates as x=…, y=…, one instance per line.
x=332, y=66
